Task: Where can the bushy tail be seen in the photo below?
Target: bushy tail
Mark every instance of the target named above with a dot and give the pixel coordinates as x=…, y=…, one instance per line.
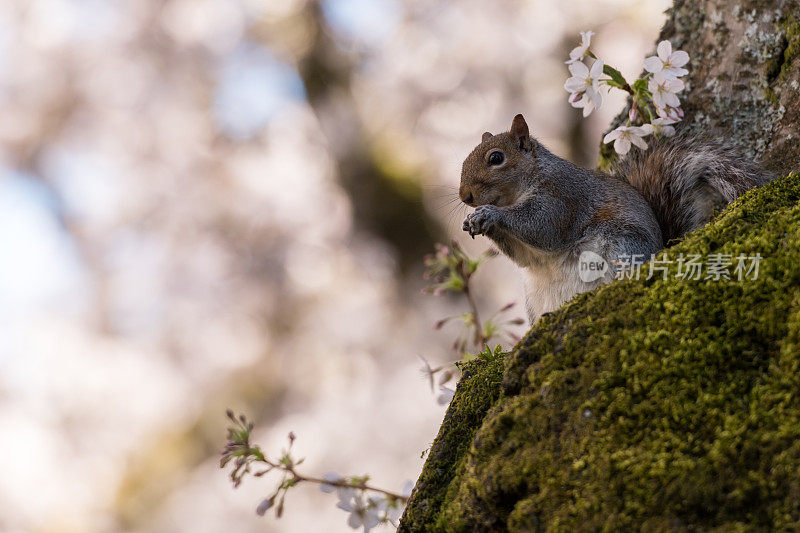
x=686, y=180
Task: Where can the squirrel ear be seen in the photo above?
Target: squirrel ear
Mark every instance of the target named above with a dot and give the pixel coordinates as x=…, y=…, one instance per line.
x=519, y=131
x=486, y=137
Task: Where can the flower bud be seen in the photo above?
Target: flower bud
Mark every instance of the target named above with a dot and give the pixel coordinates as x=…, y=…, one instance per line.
x=445, y=377
x=265, y=506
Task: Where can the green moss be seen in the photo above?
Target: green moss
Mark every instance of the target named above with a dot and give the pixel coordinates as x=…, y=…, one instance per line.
x=777, y=68
x=478, y=389
x=646, y=405
x=791, y=27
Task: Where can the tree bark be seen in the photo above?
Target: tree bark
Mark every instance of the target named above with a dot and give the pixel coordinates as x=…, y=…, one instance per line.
x=744, y=78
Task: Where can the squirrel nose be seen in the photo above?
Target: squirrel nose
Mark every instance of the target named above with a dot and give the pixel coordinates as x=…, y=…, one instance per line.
x=466, y=195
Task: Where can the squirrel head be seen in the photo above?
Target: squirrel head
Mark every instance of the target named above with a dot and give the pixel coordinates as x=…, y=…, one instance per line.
x=499, y=169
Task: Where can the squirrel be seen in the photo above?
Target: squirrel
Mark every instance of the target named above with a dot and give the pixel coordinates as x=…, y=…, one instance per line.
x=543, y=212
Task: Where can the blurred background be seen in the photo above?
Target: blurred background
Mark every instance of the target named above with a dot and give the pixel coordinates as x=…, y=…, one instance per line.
x=224, y=203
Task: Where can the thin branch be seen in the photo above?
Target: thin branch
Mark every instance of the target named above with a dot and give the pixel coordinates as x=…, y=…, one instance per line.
x=479, y=337
x=296, y=477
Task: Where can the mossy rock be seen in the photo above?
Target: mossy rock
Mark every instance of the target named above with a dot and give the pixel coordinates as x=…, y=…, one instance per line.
x=645, y=405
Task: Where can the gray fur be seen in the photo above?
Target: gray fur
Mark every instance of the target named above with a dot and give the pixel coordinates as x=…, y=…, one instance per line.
x=687, y=179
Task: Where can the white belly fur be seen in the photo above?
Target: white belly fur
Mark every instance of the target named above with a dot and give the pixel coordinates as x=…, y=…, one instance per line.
x=553, y=279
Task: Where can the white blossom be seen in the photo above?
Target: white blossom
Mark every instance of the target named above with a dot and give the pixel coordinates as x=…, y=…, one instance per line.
x=390, y=508
x=408, y=486
x=361, y=514
x=663, y=126
x=584, y=86
x=333, y=477
x=624, y=136
x=674, y=113
x=445, y=395
x=582, y=101
x=394, y=510
x=382, y=505
x=664, y=90
x=343, y=493
x=578, y=53
x=394, y=507
x=667, y=62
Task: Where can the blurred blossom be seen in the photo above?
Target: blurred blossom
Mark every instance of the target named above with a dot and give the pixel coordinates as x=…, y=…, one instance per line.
x=217, y=25
x=369, y=21
x=578, y=53
x=252, y=87
x=273, y=9
x=361, y=513
x=40, y=266
x=88, y=180
x=7, y=31
x=445, y=395
x=52, y=23
x=332, y=477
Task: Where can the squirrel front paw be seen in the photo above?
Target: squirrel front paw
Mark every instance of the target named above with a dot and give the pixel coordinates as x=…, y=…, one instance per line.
x=482, y=220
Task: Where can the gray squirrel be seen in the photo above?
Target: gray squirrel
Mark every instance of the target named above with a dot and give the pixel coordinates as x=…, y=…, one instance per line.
x=543, y=212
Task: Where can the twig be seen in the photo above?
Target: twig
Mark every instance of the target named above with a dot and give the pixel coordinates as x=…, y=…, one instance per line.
x=479, y=337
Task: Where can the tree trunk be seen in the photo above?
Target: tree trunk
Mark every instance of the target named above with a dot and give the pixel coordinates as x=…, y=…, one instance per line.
x=744, y=80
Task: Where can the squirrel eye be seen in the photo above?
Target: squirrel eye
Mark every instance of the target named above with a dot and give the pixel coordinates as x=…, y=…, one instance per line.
x=496, y=158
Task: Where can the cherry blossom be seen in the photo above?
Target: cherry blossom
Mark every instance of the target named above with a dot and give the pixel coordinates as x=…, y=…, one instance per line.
x=384, y=505
x=445, y=395
x=394, y=511
x=657, y=89
x=391, y=508
x=578, y=53
x=667, y=62
x=408, y=486
x=664, y=90
x=663, y=126
x=584, y=86
x=343, y=493
x=582, y=101
x=674, y=113
x=624, y=136
x=333, y=477
x=361, y=514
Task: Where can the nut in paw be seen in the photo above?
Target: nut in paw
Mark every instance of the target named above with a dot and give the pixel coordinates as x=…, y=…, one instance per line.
x=482, y=220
